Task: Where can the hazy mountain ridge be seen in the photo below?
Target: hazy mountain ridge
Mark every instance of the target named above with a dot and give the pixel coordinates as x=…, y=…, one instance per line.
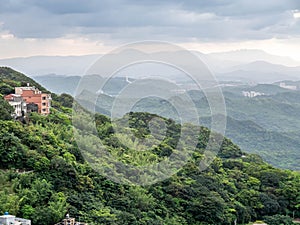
x=223, y=64
x=42, y=65
x=252, y=55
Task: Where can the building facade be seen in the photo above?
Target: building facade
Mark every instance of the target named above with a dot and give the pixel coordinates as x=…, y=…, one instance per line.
x=18, y=103
x=32, y=95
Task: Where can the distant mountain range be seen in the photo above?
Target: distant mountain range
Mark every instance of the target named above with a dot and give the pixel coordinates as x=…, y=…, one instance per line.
x=42, y=65
x=252, y=55
x=260, y=72
x=243, y=65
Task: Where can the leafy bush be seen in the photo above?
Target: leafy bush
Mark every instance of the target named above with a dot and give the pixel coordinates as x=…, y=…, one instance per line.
x=278, y=220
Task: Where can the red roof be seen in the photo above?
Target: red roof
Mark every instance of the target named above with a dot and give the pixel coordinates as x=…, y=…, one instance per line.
x=8, y=97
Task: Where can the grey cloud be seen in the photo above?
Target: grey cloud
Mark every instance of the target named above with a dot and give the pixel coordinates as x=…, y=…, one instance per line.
x=65, y=6
x=11, y=6
x=140, y=19
x=241, y=7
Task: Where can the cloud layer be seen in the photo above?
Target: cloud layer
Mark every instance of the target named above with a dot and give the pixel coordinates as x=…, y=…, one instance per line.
x=211, y=20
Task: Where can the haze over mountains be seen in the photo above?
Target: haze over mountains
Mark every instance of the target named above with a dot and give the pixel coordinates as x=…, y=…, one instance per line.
x=243, y=65
x=43, y=65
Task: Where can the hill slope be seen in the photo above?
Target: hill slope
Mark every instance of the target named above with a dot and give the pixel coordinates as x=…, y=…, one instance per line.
x=10, y=78
x=43, y=176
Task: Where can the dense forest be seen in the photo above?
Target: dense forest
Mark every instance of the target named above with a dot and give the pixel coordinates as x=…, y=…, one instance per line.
x=44, y=175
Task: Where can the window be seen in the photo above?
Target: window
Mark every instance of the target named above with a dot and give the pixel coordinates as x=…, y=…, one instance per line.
x=44, y=104
x=44, y=98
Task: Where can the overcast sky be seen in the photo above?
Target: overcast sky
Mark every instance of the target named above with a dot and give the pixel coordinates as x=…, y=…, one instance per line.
x=77, y=27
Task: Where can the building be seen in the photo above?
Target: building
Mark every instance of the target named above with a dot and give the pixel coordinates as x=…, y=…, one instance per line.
x=18, y=103
x=290, y=87
x=32, y=95
x=252, y=94
x=7, y=219
x=70, y=221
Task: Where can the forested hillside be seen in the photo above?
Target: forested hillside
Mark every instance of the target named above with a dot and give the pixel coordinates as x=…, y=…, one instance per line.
x=43, y=176
x=268, y=124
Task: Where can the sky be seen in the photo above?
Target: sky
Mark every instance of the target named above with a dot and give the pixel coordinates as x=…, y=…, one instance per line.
x=79, y=27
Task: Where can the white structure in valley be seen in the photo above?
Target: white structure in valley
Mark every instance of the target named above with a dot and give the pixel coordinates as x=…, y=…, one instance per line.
x=252, y=94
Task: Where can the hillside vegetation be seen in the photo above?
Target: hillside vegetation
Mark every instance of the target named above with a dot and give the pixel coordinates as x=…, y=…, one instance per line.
x=274, y=117
x=44, y=176
x=10, y=78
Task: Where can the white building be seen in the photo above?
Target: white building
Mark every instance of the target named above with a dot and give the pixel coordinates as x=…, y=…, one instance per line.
x=7, y=219
x=252, y=94
x=18, y=103
x=290, y=87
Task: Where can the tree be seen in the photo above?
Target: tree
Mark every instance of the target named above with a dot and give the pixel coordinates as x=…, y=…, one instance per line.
x=11, y=151
x=278, y=220
x=6, y=109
